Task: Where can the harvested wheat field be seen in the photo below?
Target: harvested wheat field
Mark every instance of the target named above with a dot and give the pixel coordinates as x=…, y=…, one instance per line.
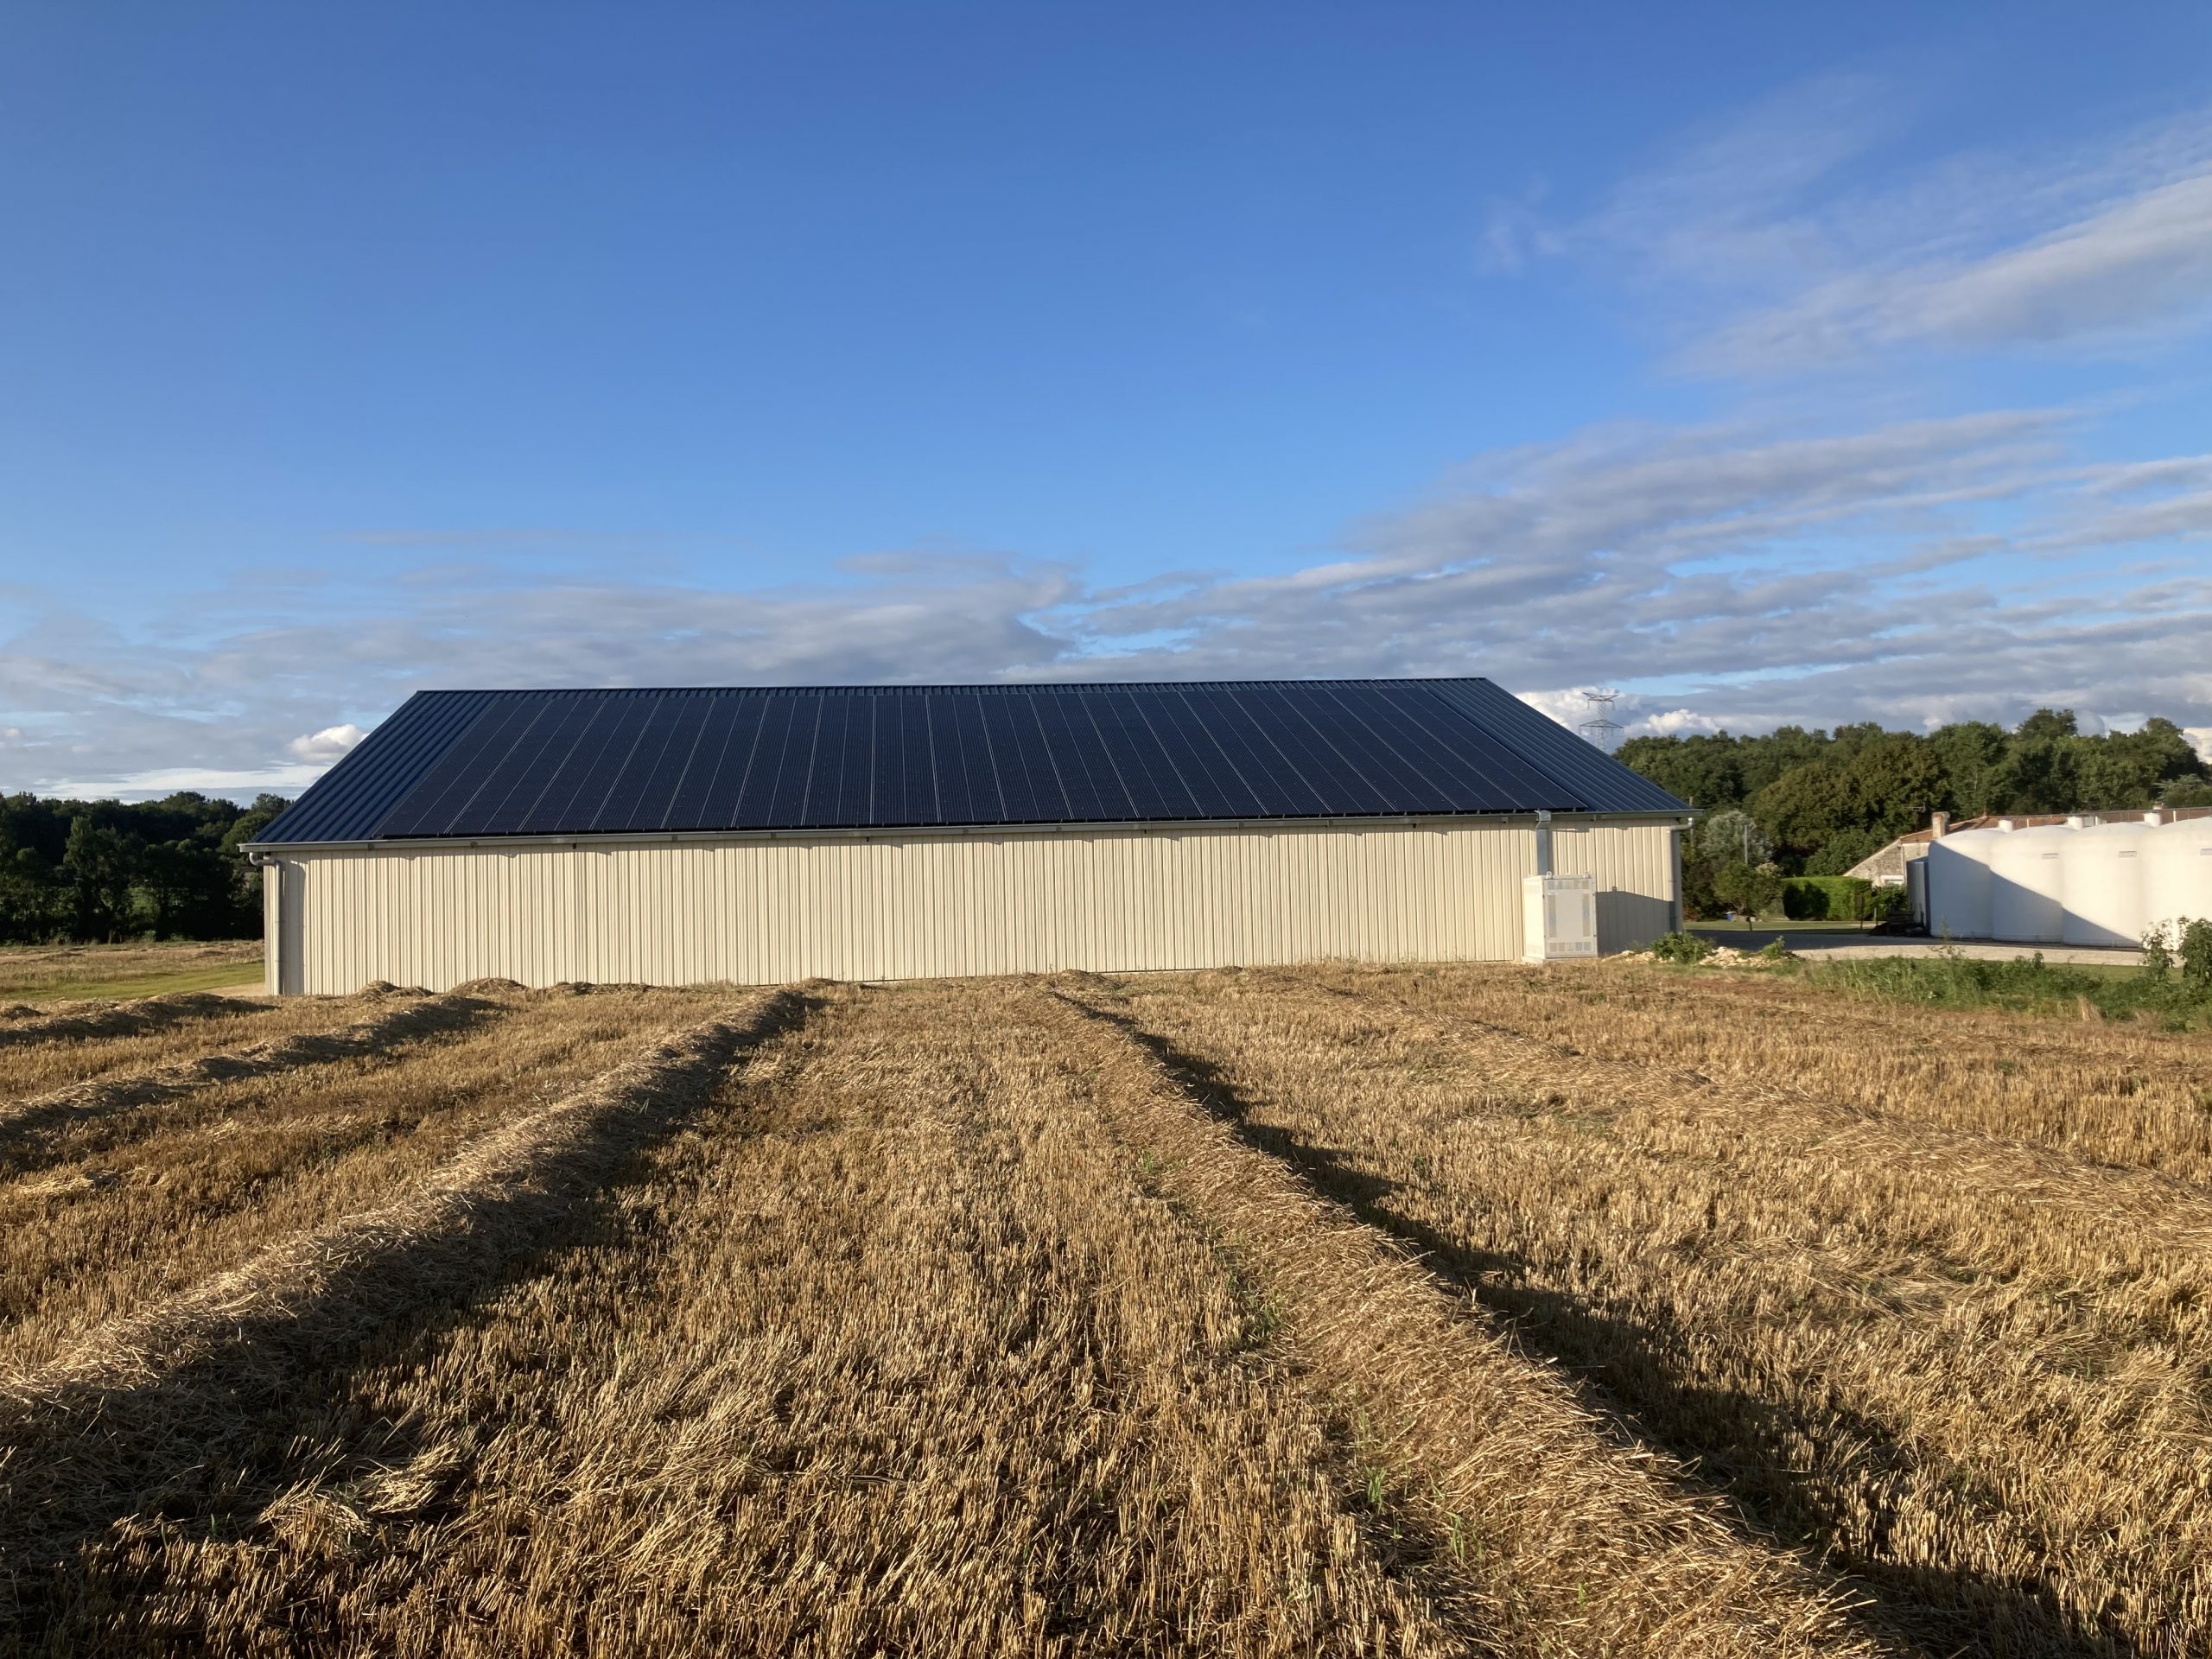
x=1602, y=1310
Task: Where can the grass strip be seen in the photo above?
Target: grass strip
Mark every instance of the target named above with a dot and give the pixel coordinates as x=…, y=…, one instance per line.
x=213, y=977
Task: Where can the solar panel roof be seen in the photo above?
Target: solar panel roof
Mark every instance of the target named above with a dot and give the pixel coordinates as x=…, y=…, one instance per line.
x=641, y=762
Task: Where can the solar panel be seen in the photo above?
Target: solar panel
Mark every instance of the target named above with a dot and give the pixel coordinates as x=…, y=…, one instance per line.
x=1294, y=766
x=1591, y=779
x=458, y=775
x=915, y=799
x=856, y=763
x=1025, y=781
x=561, y=763
x=1351, y=765
x=707, y=793
x=1076, y=757
x=519, y=780
x=1443, y=760
x=1149, y=778
x=577, y=791
x=1410, y=779
x=821, y=791
x=965, y=788
x=1452, y=766
x=1220, y=787
x=769, y=779
x=644, y=793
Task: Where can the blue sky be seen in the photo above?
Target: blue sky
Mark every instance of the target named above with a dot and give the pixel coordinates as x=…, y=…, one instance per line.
x=1767, y=367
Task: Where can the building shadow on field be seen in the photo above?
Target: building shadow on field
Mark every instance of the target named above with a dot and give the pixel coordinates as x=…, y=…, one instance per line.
x=1744, y=1448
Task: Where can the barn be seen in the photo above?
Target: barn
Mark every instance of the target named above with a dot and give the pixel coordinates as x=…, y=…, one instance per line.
x=761, y=835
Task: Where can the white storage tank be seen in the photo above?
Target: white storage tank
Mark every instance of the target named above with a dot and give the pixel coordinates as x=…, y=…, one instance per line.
x=2178, y=871
x=1956, y=870
x=2027, y=892
x=2103, y=884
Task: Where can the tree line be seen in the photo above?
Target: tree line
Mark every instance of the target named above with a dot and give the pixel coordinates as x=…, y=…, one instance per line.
x=1816, y=802
x=97, y=872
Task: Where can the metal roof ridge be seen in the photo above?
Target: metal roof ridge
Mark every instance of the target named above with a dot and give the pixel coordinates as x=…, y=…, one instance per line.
x=945, y=685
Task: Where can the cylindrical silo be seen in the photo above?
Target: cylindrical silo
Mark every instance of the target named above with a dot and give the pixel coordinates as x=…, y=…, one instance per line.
x=2178, y=871
x=2027, y=895
x=2103, y=884
x=1958, y=884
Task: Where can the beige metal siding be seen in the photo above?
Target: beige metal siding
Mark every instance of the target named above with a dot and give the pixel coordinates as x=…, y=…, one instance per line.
x=272, y=953
x=1634, y=868
x=283, y=886
x=843, y=908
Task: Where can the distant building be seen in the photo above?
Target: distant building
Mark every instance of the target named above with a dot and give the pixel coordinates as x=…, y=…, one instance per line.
x=756, y=835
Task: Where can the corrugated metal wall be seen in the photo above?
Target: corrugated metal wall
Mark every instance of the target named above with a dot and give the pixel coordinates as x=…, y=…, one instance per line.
x=759, y=911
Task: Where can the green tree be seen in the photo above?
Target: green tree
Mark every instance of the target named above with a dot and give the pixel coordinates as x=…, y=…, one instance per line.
x=104, y=864
x=1898, y=780
x=1752, y=891
x=2040, y=774
x=1704, y=771
x=2133, y=769
x=1805, y=809
x=30, y=897
x=1733, y=834
x=2165, y=748
x=2109, y=775
x=2196, y=955
x=2048, y=723
x=264, y=811
x=1973, y=756
x=194, y=889
x=1700, y=901
x=1783, y=749
x=1844, y=747
x=90, y=870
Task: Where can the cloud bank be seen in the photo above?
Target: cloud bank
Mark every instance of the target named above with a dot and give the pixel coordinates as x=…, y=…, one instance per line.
x=1724, y=575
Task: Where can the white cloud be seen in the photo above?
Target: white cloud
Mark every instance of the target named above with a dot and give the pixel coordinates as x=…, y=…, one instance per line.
x=1676, y=722
x=327, y=747
x=1765, y=253
x=2127, y=275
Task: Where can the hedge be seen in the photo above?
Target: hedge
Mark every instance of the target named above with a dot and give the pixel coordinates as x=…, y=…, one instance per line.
x=1827, y=898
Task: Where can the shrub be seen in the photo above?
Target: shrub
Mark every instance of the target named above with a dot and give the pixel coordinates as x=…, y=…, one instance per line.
x=1749, y=891
x=2197, y=956
x=1827, y=898
x=2158, y=947
x=2029, y=984
x=1681, y=947
x=1776, y=951
x=1700, y=902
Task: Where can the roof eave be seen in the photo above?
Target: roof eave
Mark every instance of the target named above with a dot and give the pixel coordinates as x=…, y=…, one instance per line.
x=1560, y=817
